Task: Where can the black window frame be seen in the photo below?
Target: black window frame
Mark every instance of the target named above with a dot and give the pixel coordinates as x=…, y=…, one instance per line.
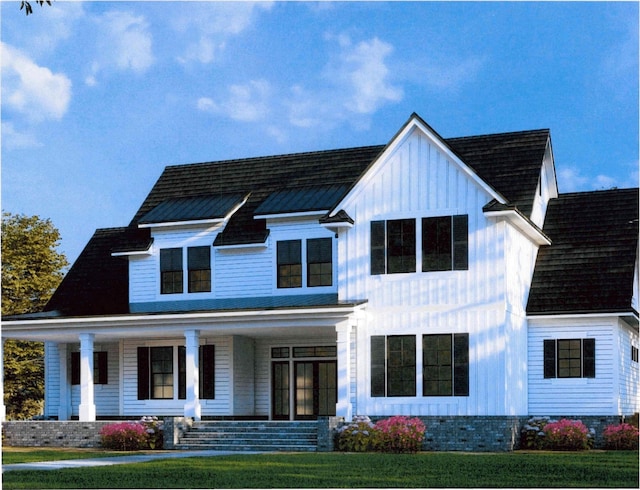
x=559, y=358
x=445, y=243
x=199, y=269
x=100, y=368
x=289, y=264
x=445, y=364
x=319, y=262
x=171, y=271
x=393, y=366
x=393, y=246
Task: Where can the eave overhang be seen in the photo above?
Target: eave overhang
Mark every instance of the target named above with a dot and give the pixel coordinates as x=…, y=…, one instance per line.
x=517, y=219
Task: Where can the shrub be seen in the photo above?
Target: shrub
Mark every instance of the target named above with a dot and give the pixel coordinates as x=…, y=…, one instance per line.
x=399, y=435
x=621, y=436
x=356, y=436
x=566, y=435
x=154, y=429
x=124, y=436
x=532, y=434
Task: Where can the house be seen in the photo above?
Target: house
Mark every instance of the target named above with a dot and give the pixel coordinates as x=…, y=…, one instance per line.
x=433, y=277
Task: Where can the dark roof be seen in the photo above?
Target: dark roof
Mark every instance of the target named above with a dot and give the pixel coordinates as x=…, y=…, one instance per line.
x=97, y=283
x=509, y=162
x=318, y=198
x=589, y=266
x=193, y=208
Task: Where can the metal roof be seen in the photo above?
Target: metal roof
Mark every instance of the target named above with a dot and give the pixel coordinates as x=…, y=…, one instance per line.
x=192, y=209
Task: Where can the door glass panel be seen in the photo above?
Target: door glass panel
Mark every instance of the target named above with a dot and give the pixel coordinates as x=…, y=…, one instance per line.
x=327, y=389
x=304, y=389
x=280, y=390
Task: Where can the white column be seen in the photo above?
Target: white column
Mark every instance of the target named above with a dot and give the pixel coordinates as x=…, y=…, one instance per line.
x=64, y=404
x=344, y=407
x=3, y=408
x=192, y=343
x=87, y=409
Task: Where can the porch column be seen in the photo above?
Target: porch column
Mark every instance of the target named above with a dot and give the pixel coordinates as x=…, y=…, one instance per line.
x=87, y=409
x=65, y=392
x=343, y=407
x=192, y=343
x=3, y=408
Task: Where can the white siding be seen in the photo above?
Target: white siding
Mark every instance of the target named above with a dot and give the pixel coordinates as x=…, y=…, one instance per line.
x=629, y=370
x=106, y=396
x=574, y=396
x=243, y=375
x=243, y=273
x=51, y=379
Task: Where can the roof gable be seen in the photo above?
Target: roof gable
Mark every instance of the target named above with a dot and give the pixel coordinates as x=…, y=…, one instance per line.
x=589, y=267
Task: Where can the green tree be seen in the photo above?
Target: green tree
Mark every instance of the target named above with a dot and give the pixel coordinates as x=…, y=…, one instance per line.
x=32, y=268
x=29, y=9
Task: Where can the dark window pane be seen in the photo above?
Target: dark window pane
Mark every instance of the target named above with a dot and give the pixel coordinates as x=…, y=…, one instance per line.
x=378, y=368
x=549, y=358
x=289, y=264
x=401, y=365
x=199, y=264
x=401, y=246
x=319, y=262
x=280, y=352
x=378, y=245
x=460, y=242
x=143, y=373
x=436, y=244
x=207, y=372
x=171, y=271
x=461, y=364
x=589, y=357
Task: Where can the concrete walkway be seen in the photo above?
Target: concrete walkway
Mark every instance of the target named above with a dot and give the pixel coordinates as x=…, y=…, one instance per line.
x=137, y=458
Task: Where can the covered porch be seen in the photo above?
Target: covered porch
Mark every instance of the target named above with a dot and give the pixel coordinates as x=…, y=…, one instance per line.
x=273, y=364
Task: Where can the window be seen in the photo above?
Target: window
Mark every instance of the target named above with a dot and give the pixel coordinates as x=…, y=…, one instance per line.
x=393, y=365
x=319, y=262
x=393, y=246
x=289, y=264
x=570, y=358
x=445, y=243
x=100, y=368
x=199, y=264
x=634, y=353
x=171, y=271
x=445, y=365
x=155, y=372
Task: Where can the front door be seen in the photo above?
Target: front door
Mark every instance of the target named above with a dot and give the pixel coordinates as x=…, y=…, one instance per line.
x=280, y=398
x=315, y=389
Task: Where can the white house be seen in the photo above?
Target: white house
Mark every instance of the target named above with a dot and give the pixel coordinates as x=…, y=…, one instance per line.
x=426, y=277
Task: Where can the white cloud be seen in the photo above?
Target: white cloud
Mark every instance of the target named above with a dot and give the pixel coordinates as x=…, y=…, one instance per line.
x=572, y=179
x=16, y=140
x=33, y=90
x=124, y=43
x=212, y=23
x=245, y=103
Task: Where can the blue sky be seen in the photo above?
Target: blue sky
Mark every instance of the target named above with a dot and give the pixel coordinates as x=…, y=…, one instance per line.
x=98, y=97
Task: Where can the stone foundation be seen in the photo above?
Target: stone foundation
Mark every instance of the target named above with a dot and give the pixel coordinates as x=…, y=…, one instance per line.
x=51, y=433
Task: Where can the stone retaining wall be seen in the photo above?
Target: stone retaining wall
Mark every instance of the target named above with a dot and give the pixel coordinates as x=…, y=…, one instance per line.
x=52, y=433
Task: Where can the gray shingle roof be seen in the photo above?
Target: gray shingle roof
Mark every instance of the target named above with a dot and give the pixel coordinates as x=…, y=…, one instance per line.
x=589, y=266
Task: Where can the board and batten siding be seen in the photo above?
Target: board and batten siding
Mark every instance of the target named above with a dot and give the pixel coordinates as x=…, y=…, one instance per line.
x=575, y=396
x=417, y=180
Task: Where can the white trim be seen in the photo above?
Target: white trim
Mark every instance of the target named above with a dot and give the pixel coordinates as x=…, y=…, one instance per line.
x=577, y=316
x=147, y=252
x=241, y=245
x=517, y=220
x=300, y=214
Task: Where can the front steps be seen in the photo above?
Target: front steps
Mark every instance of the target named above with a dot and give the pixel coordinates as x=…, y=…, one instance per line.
x=259, y=436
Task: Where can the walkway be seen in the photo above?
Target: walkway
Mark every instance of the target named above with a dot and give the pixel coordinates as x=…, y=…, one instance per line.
x=137, y=458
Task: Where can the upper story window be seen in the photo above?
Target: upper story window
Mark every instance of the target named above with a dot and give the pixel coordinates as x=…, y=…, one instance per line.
x=289, y=264
x=199, y=263
x=570, y=358
x=445, y=246
x=318, y=255
x=445, y=243
x=393, y=246
x=171, y=271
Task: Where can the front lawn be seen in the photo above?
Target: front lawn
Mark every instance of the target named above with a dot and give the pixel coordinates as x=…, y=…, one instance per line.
x=613, y=469
x=14, y=455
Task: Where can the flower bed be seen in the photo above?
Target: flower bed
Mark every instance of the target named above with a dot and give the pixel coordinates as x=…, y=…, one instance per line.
x=132, y=436
x=397, y=434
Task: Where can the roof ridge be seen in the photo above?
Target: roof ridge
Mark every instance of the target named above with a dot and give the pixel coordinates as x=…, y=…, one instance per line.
x=506, y=133
x=597, y=191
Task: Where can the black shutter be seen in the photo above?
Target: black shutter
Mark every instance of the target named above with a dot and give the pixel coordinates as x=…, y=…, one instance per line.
x=461, y=364
x=549, y=358
x=588, y=358
x=75, y=368
x=207, y=372
x=103, y=368
x=460, y=243
x=143, y=373
x=378, y=356
x=182, y=372
x=378, y=248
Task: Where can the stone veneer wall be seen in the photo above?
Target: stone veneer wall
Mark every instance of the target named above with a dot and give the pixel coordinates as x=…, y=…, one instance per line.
x=52, y=433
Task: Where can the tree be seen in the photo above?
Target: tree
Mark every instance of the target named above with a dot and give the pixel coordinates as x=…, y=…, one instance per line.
x=28, y=9
x=32, y=268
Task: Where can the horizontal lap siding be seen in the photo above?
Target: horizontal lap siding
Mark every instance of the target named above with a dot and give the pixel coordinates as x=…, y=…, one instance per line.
x=51, y=380
x=629, y=378
x=106, y=397
x=579, y=396
x=243, y=273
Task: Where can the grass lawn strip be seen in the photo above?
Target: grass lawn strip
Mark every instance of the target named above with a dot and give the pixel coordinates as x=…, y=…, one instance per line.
x=596, y=469
x=15, y=455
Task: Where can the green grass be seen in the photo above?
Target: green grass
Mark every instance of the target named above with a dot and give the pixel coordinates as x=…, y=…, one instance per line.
x=14, y=455
x=338, y=470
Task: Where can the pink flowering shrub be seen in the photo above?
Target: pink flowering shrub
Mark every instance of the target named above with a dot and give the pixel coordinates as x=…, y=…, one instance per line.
x=566, y=435
x=124, y=436
x=621, y=436
x=399, y=434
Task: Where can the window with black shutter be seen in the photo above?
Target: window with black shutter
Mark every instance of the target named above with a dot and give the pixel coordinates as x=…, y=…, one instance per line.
x=100, y=368
x=569, y=358
x=393, y=365
x=445, y=364
x=445, y=242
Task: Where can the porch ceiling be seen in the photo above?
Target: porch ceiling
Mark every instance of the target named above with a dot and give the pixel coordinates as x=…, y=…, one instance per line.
x=307, y=322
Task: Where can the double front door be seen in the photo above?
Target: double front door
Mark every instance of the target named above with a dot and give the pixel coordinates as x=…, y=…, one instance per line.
x=309, y=393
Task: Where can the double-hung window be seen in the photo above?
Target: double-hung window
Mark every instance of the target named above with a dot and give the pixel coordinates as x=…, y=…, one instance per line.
x=289, y=264
x=318, y=256
x=199, y=264
x=445, y=364
x=569, y=358
x=319, y=262
x=393, y=365
x=393, y=246
x=171, y=271
x=445, y=243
